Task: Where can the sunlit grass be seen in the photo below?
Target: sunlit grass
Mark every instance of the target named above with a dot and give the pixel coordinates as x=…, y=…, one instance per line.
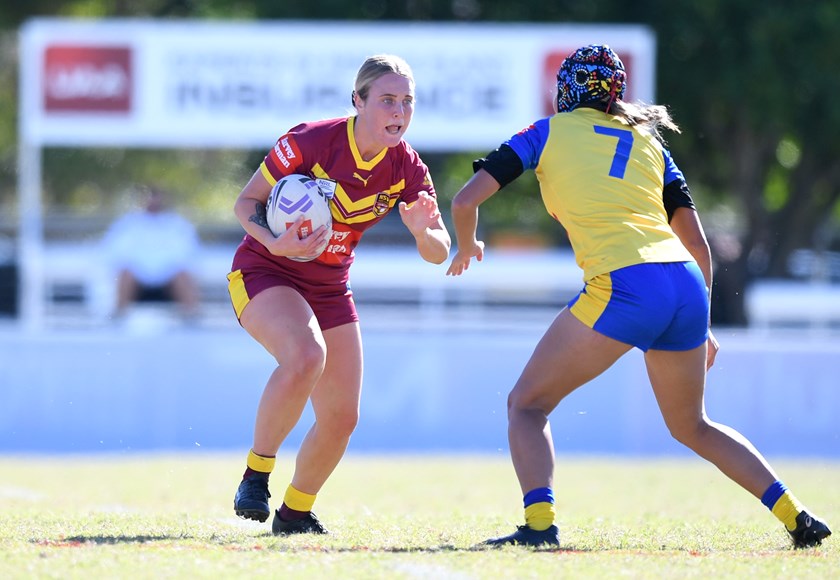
x=141, y=516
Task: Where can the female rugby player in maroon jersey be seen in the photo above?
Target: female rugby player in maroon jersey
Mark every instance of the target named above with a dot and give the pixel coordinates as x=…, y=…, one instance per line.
x=303, y=313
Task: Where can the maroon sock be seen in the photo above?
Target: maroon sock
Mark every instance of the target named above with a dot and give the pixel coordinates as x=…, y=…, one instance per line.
x=287, y=514
x=249, y=472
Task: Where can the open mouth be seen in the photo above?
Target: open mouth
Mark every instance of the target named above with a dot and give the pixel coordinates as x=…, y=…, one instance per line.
x=394, y=129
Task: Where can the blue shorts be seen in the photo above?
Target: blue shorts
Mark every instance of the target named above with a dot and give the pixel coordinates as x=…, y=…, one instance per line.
x=663, y=306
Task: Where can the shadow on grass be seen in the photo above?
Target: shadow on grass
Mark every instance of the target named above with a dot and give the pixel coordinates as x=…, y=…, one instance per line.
x=77, y=541
x=103, y=540
x=203, y=543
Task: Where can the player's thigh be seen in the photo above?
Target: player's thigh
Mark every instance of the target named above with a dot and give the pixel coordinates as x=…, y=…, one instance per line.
x=282, y=321
x=340, y=386
x=678, y=379
x=568, y=355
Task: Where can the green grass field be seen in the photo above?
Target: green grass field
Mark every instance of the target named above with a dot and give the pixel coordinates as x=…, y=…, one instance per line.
x=165, y=516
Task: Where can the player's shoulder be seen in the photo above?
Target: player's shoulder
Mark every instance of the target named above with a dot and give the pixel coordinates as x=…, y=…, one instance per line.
x=536, y=132
x=403, y=148
x=319, y=129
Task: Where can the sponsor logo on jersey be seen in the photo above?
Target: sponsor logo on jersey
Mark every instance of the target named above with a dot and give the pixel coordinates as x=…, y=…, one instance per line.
x=327, y=186
x=287, y=148
x=278, y=154
x=87, y=79
x=362, y=179
x=382, y=203
x=338, y=243
x=286, y=153
x=305, y=228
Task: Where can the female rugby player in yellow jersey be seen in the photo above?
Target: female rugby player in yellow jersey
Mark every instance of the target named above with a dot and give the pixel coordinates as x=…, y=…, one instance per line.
x=606, y=176
x=303, y=313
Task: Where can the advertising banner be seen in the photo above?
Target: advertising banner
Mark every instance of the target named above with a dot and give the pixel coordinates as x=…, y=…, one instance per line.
x=200, y=84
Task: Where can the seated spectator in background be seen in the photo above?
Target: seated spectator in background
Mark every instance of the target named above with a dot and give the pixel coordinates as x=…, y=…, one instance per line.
x=152, y=251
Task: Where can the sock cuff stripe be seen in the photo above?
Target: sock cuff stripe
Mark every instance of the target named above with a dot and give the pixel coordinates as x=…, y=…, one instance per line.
x=776, y=490
x=539, y=495
x=260, y=463
x=298, y=500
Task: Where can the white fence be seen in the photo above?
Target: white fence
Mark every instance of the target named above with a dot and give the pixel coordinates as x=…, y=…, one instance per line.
x=435, y=387
x=78, y=285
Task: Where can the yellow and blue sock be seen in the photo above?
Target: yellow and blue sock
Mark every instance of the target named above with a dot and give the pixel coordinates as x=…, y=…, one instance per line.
x=782, y=503
x=258, y=465
x=539, y=508
x=296, y=504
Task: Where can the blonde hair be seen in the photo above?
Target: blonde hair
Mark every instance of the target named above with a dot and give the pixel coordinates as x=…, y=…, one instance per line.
x=652, y=117
x=375, y=67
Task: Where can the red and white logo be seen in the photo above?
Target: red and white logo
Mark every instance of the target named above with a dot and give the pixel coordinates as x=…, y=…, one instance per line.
x=286, y=152
x=87, y=79
x=305, y=229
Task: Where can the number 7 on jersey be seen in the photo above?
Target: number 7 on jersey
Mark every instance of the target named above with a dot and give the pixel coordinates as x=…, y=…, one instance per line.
x=622, y=149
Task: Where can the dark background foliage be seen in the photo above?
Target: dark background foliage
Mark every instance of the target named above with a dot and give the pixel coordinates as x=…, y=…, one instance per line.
x=752, y=84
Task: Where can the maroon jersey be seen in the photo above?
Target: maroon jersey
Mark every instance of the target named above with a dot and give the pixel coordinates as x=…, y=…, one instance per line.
x=363, y=191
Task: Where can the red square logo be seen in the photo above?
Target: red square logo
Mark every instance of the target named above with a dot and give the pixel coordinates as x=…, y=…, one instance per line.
x=87, y=79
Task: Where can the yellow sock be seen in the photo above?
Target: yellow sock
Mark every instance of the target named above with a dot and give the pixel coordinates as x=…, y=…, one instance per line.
x=298, y=501
x=260, y=463
x=787, y=507
x=540, y=516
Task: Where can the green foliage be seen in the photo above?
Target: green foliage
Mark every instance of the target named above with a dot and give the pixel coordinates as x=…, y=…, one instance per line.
x=8, y=118
x=514, y=215
x=776, y=192
x=104, y=182
x=741, y=77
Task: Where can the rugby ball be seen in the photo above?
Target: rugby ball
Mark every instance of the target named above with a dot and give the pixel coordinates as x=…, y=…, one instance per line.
x=298, y=195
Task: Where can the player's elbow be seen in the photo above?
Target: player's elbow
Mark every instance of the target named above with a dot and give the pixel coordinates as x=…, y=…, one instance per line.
x=697, y=245
x=463, y=206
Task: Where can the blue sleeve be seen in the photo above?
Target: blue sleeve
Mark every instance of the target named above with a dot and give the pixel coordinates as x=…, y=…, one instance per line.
x=675, y=192
x=529, y=143
x=672, y=172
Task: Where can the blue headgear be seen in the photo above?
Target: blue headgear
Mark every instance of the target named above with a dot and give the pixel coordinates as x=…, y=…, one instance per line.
x=590, y=74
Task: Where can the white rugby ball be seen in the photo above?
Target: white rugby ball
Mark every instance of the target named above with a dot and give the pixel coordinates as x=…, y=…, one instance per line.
x=298, y=195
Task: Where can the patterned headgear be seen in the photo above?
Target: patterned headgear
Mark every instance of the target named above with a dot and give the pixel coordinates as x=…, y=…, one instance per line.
x=590, y=74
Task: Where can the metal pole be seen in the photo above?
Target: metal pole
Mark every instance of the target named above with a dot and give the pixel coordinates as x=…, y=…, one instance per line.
x=30, y=247
x=30, y=239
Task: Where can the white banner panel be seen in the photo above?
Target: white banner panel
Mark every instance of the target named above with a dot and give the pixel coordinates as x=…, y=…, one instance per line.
x=150, y=83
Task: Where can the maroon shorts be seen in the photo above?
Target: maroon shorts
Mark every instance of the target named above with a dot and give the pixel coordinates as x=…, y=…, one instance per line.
x=332, y=303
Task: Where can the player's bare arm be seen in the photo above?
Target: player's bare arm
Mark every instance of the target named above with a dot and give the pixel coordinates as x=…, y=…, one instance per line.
x=423, y=219
x=259, y=216
x=465, y=217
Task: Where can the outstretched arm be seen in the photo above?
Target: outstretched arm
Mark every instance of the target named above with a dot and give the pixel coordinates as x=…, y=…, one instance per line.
x=465, y=218
x=423, y=220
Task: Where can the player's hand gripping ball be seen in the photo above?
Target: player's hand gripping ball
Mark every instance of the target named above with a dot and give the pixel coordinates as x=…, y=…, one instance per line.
x=294, y=196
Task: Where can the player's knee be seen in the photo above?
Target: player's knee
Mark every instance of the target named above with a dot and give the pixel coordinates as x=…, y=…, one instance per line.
x=343, y=423
x=689, y=433
x=306, y=362
x=519, y=402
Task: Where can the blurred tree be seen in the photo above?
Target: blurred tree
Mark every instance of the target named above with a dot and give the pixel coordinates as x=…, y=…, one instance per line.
x=751, y=83
x=754, y=87
x=8, y=118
